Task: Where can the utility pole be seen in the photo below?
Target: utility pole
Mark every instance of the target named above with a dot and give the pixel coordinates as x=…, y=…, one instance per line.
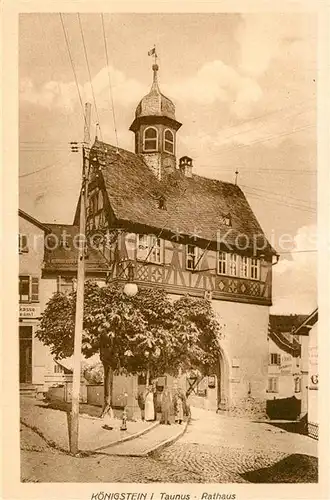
x=80, y=288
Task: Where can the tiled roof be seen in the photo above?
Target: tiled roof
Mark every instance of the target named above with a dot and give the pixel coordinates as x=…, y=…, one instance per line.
x=286, y=323
x=65, y=259
x=280, y=328
x=194, y=206
x=305, y=326
x=34, y=221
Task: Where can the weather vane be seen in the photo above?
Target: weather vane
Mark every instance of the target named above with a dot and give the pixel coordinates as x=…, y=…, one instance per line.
x=153, y=53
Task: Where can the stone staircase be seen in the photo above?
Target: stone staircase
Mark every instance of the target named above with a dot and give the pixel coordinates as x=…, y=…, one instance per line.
x=28, y=390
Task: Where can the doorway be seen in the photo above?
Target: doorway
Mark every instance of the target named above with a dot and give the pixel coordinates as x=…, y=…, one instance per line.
x=25, y=354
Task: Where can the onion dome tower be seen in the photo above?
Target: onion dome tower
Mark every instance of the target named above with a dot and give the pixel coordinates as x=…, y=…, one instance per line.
x=155, y=128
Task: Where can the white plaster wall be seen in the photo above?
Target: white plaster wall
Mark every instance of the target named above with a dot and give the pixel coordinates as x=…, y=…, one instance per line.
x=304, y=371
x=42, y=358
x=312, y=374
x=30, y=262
x=285, y=374
x=48, y=286
x=244, y=342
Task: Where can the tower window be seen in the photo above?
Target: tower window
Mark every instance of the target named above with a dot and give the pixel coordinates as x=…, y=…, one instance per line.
x=150, y=139
x=169, y=141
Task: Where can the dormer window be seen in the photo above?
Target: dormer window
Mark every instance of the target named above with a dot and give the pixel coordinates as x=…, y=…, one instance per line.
x=169, y=141
x=150, y=139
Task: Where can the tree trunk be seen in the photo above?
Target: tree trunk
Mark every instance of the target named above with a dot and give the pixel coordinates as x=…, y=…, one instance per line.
x=147, y=377
x=108, y=386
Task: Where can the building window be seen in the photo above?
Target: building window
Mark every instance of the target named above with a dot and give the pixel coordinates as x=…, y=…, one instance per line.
x=142, y=246
x=22, y=243
x=24, y=288
x=233, y=264
x=65, y=285
x=191, y=256
x=58, y=368
x=149, y=248
x=273, y=384
x=255, y=268
x=244, y=266
x=275, y=359
x=28, y=289
x=150, y=139
x=169, y=141
x=222, y=263
x=155, y=250
x=297, y=384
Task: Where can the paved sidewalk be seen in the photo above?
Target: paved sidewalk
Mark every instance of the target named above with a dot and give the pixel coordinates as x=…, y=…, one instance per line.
x=144, y=445
x=53, y=426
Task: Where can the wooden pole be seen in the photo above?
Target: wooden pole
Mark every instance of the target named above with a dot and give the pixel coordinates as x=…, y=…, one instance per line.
x=74, y=434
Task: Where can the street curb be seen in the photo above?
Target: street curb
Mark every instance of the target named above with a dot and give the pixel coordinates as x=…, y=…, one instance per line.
x=123, y=440
x=168, y=441
x=153, y=450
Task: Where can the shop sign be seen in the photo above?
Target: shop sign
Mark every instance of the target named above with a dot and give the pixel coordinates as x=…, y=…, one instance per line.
x=286, y=364
x=29, y=311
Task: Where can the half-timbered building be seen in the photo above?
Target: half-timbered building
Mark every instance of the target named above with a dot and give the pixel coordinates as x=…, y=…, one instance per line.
x=188, y=233
x=151, y=218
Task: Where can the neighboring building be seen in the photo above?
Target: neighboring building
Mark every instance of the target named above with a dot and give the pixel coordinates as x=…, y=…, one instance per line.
x=307, y=331
x=181, y=231
x=284, y=390
x=37, y=368
x=33, y=355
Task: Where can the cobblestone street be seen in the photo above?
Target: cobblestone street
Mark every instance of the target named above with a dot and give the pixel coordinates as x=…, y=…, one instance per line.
x=221, y=449
x=215, y=448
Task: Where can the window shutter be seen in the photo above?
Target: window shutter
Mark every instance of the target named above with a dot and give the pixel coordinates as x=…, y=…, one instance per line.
x=35, y=290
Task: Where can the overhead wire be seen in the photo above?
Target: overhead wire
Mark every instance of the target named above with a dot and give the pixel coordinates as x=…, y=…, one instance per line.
x=269, y=113
x=89, y=73
x=260, y=141
x=273, y=193
x=278, y=202
x=74, y=72
x=40, y=169
x=110, y=85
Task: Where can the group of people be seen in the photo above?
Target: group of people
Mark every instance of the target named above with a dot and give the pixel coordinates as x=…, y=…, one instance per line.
x=176, y=404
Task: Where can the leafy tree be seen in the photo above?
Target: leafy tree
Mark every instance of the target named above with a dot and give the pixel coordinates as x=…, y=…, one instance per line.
x=146, y=333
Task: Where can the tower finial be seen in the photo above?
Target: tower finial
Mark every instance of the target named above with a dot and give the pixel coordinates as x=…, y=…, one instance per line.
x=236, y=176
x=155, y=66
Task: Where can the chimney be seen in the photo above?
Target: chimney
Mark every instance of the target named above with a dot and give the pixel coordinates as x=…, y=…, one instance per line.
x=185, y=166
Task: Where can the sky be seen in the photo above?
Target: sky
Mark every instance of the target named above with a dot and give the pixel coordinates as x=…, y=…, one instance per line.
x=244, y=86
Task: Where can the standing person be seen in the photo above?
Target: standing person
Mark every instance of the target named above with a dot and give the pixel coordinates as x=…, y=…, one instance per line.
x=178, y=406
x=166, y=406
x=141, y=398
x=149, y=409
x=155, y=393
